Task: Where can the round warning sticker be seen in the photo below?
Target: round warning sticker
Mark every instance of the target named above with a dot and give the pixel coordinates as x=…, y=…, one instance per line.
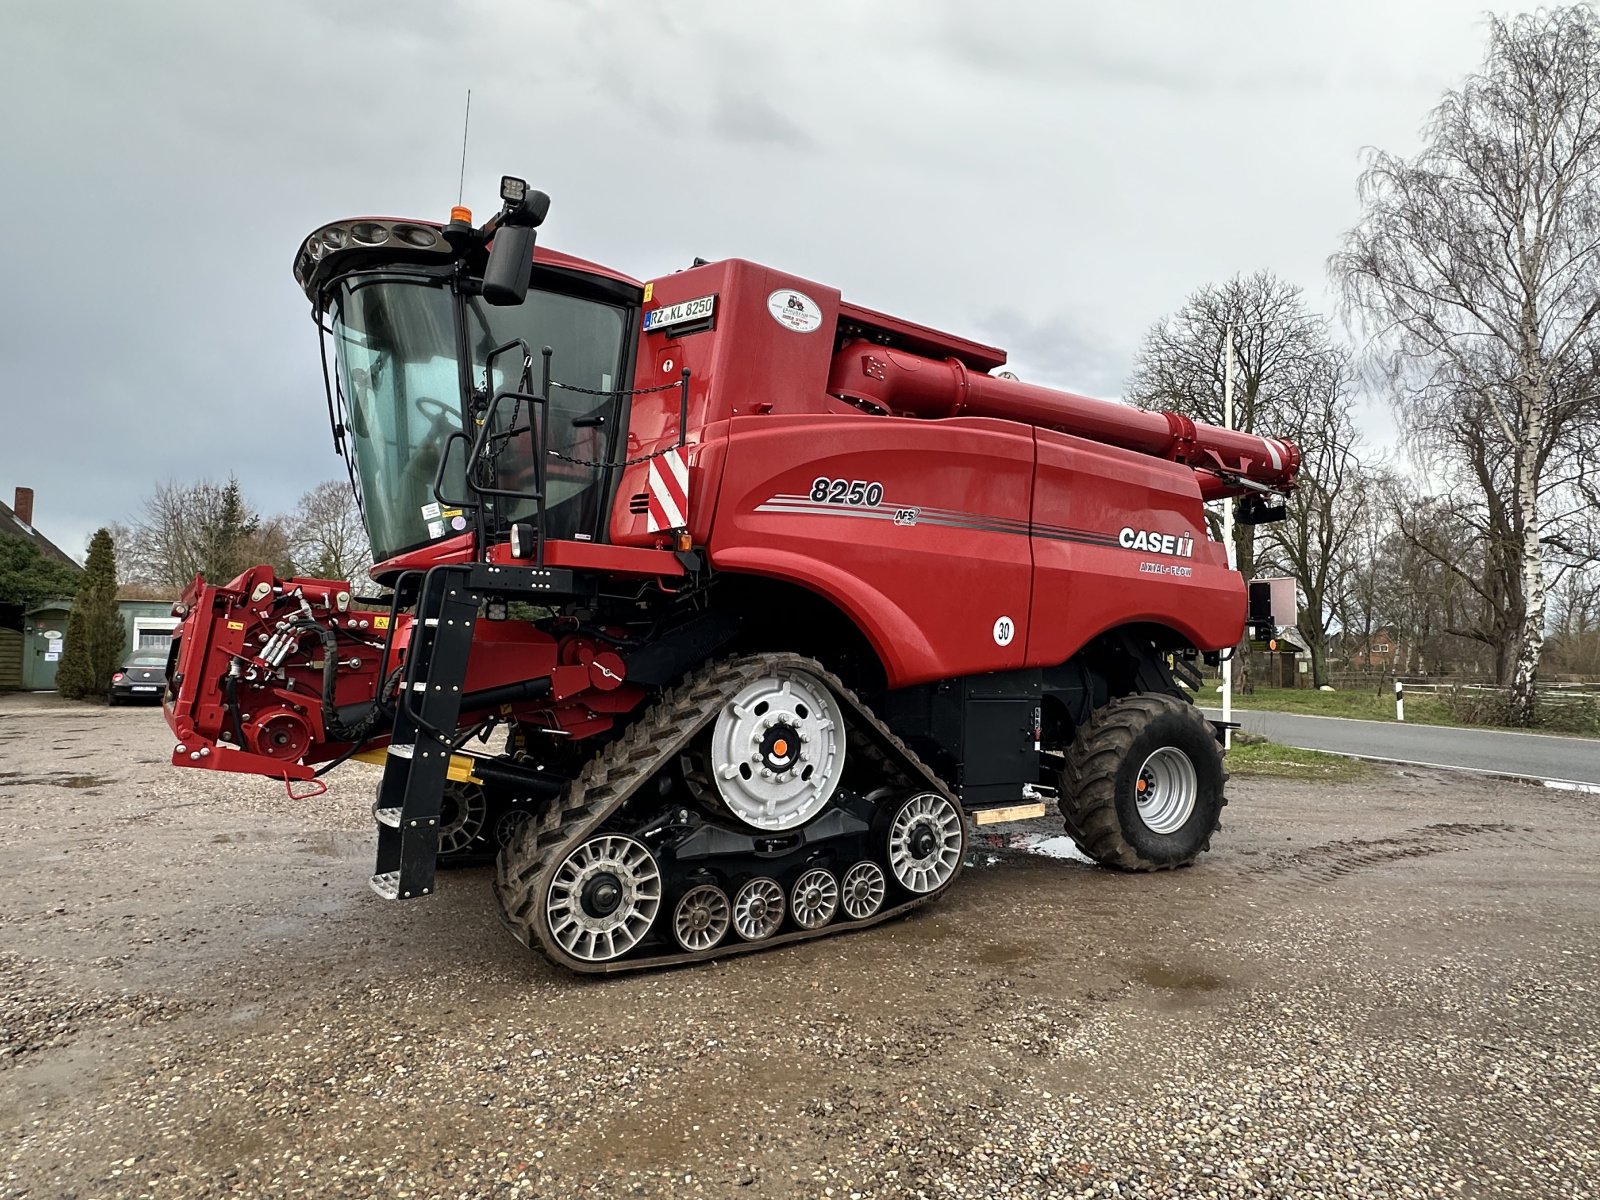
x=1004, y=630
x=794, y=310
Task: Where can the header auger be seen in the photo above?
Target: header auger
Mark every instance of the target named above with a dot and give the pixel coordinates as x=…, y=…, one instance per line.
x=714, y=608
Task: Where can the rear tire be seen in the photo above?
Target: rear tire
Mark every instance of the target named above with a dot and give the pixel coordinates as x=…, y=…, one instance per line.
x=1168, y=746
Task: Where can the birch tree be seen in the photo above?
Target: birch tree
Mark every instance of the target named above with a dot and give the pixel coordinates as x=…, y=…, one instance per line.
x=1476, y=267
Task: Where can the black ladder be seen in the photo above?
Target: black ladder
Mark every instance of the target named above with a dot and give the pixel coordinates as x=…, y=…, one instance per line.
x=418, y=763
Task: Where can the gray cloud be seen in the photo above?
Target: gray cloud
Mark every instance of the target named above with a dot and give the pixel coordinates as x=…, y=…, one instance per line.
x=751, y=117
x=1049, y=176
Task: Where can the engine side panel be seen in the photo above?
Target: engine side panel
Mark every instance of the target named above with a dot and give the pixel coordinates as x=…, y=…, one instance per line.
x=917, y=529
x=1119, y=538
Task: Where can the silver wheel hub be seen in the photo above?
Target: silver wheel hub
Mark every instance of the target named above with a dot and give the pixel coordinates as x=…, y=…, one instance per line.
x=603, y=898
x=777, y=750
x=702, y=917
x=1166, y=789
x=758, y=909
x=862, y=890
x=815, y=898
x=925, y=842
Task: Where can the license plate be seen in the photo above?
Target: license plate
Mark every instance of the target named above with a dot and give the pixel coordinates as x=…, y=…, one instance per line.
x=699, y=309
x=140, y=688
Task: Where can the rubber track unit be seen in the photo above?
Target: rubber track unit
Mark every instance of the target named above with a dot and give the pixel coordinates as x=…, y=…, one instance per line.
x=525, y=867
x=1089, y=792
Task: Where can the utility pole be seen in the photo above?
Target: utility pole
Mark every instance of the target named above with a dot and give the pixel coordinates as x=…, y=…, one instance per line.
x=1227, y=540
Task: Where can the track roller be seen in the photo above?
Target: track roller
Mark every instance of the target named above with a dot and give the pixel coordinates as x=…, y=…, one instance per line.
x=814, y=898
x=862, y=892
x=702, y=917
x=758, y=909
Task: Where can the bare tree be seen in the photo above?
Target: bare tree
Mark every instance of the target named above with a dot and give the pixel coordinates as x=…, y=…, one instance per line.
x=1476, y=266
x=1575, y=635
x=202, y=528
x=1362, y=575
x=1279, y=347
x=328, y=538
x=1326, y=509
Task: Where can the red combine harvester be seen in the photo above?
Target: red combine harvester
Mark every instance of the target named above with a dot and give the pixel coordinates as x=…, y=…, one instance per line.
x=715, y=607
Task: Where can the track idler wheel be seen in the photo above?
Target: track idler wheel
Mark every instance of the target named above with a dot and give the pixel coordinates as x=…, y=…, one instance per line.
x=926, y=841
x=463, y=817
x=604, y=898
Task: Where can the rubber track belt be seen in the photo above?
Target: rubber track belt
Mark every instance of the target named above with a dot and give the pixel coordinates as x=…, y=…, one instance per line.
x=525, y=867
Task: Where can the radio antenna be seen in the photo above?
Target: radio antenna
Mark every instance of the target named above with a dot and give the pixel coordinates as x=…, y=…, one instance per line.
x=466, y=123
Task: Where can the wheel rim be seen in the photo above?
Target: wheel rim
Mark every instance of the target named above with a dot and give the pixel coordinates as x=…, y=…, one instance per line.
x=862, y=891
x=603, y=898
x=758, y=909
x=1166, y=787
x=702, y=917
x=814, y=899
x=462, y=813
x=777, y=750
x=925, y=842
x=505, y=829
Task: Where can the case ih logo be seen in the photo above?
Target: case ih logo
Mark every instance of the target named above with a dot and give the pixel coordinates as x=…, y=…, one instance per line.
x=1179, y=545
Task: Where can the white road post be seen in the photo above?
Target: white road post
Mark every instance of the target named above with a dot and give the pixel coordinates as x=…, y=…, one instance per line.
x=1227, y=541
x=1399, y=701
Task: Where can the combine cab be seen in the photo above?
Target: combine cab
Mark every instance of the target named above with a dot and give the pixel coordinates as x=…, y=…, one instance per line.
x=714, y=608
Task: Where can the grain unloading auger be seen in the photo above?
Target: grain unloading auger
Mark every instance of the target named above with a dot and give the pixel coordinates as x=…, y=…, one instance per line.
x=715, y=607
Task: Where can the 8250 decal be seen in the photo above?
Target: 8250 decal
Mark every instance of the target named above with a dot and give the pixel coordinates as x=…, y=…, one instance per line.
x=846, y=491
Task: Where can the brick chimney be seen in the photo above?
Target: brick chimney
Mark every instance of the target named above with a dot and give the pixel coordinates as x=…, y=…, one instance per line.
x=24, y=506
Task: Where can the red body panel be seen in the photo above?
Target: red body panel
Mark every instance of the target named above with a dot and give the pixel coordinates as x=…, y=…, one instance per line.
x=1081, y=588
x=926, y=589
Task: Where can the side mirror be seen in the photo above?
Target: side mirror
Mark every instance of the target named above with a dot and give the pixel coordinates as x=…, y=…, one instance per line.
x=505, y=278
x=510, y=266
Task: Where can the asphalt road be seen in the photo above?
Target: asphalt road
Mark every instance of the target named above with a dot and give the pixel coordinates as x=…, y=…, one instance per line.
x=1536, y=755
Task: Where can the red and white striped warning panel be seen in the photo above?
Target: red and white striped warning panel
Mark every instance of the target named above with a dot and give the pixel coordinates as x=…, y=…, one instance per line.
x=669, y=493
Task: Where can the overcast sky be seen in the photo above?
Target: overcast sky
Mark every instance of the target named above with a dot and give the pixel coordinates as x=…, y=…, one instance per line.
x=1049, y=176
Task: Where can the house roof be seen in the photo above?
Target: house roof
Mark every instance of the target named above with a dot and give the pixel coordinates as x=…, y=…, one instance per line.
x=13, y=526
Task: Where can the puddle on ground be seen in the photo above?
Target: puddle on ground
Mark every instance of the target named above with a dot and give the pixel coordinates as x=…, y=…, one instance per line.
x=55, y=779
x=985, y=848
x=1179, y=979
x=1003, y=954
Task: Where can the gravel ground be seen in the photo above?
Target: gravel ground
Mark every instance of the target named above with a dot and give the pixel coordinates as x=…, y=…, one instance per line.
x=1381, y=988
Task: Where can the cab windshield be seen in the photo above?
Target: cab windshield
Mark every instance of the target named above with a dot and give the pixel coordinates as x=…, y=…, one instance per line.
x=395, y=343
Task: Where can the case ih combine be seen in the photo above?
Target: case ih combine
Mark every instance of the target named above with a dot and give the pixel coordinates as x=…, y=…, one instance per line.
x=715, y=607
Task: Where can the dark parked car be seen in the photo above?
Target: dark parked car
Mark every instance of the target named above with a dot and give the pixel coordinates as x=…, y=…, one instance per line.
x=142, y=677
